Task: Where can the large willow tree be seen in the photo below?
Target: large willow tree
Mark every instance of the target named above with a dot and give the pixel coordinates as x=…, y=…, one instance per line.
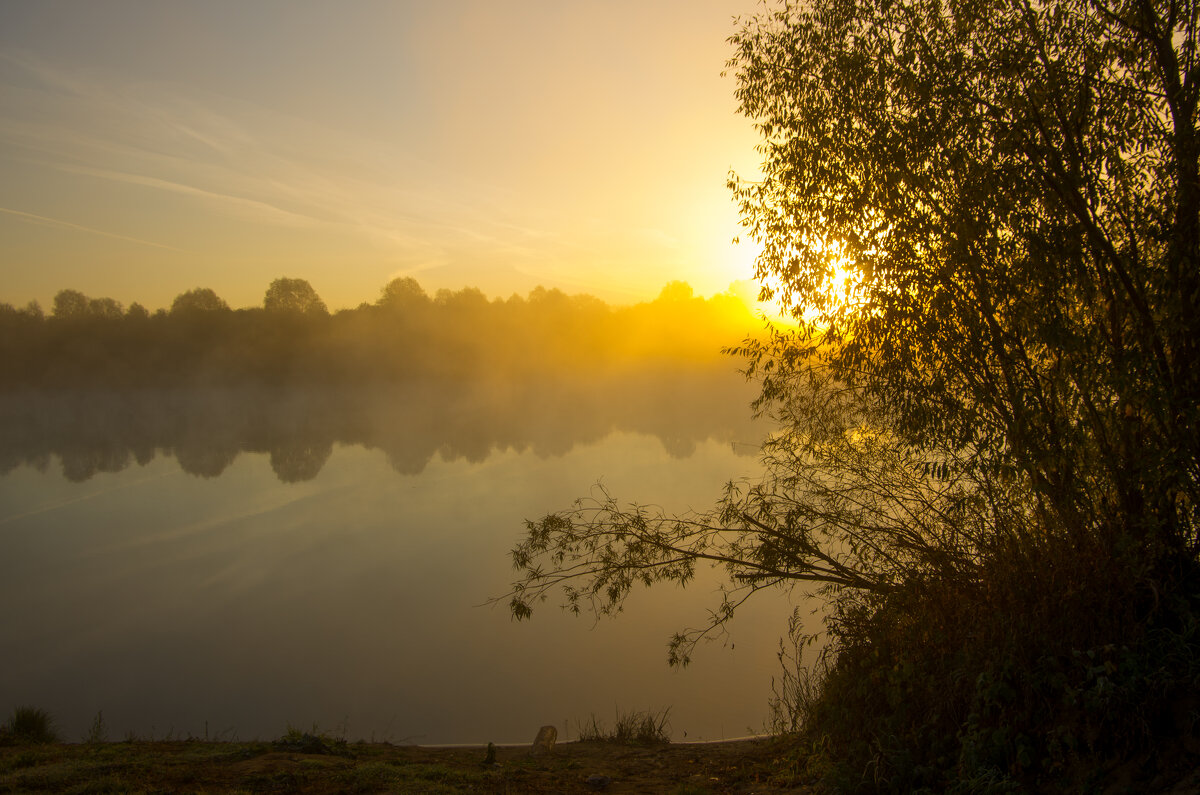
x=986, y=216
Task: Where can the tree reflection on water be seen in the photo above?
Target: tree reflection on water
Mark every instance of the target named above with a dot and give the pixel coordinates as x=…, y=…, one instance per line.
x=100, y=430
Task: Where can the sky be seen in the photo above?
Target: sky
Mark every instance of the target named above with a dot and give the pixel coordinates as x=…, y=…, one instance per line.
x=147, y=148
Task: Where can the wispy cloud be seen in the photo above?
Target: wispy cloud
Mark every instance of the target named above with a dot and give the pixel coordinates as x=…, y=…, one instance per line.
x=41, y=219
x=240, y=159
x=249, y=207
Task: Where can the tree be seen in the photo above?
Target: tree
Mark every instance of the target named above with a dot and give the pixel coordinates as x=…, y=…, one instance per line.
x=293, y=296
x=1000, y=407
x=76, y=305
x=403, y=293
x=33, y=311
x=70, y=304
x=108, y=308
x=468, y=300
x=1016, y=188
x=676, y=291
x=200, y=299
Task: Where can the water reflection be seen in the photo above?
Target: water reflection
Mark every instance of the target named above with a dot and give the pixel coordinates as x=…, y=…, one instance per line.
x=268, y=597
x=93, y=431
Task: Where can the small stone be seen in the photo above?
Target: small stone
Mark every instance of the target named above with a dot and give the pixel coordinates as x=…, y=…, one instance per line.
x=544, y=742
x=598, y=782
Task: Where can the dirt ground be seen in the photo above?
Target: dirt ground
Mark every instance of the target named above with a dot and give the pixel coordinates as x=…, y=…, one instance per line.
x=747, y=766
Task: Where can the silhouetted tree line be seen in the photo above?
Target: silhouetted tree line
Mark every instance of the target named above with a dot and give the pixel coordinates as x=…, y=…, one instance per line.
x=98, y=430
x=294, y=339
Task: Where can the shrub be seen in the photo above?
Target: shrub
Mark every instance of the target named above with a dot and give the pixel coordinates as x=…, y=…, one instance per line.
x=1051, y=664
x=30, y=725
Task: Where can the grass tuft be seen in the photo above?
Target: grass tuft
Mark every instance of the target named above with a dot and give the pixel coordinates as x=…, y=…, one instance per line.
x=30, y=726
x=98, y=733
x=312, y=742
x=630, y=728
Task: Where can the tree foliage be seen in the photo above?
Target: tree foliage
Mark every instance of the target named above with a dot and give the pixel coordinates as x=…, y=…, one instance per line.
x=402, y=293
x=200, y=299
x=1015, y=185
x=293, y=296
x=404, y=336
x=72, y=304
x=986, y=217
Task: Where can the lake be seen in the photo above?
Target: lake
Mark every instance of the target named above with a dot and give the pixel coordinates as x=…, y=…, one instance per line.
x=229, y=562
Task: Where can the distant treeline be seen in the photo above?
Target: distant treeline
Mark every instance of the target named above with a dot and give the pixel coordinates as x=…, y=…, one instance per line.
x=293, y=338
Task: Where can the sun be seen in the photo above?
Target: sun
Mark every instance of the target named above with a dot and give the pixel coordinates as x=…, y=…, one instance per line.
x=730, y=257
x=843, y=280
x=839, y=287
x=837, y=283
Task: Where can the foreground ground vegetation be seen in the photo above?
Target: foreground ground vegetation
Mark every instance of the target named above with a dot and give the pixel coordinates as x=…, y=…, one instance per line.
x=315, y=762
x=986, y=216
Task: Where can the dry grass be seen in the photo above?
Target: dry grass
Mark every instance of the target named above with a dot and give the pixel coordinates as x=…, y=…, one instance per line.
x=629, y=728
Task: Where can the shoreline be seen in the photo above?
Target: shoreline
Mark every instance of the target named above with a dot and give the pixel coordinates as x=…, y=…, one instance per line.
x=759, y=765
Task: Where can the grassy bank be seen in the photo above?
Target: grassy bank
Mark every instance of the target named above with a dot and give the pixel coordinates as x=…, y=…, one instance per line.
x=327, y=767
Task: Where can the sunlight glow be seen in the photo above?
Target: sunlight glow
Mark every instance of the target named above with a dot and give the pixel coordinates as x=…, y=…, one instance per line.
x=227, y=172
x=740, y=255
x=837, y=288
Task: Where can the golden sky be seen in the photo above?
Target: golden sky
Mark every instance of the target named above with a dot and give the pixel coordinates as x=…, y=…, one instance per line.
x=147, y=147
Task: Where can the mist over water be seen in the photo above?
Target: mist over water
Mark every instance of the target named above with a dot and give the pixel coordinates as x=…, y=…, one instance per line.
x=93, y=430
x=235, y=560
x=219, y=522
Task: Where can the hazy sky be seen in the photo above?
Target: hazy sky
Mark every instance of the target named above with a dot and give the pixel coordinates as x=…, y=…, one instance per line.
x=150, y=147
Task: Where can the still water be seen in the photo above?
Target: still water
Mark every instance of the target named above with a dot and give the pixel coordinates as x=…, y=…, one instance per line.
x=233, y=562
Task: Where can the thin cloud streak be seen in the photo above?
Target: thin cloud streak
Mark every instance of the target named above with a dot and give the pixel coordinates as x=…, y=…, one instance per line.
x=433, y=144
x=80, y=228
x=264, y=164
x=257, y=209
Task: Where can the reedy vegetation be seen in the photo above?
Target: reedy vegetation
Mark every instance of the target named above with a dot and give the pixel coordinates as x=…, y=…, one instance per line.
x=629, y=728
x=988, y=456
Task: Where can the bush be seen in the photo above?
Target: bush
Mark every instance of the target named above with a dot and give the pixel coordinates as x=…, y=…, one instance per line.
x=1049, y=666
x=31, y=726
